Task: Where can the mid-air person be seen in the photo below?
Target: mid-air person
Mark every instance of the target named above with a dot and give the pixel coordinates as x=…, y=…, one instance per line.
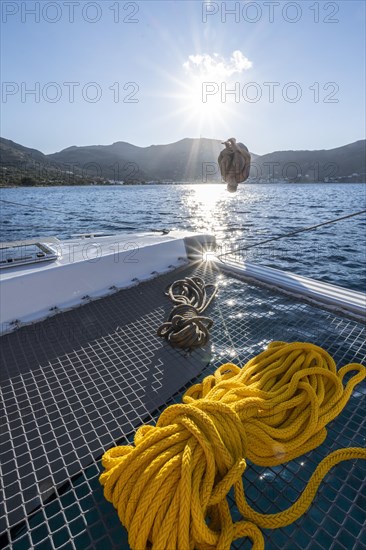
x=234, y=163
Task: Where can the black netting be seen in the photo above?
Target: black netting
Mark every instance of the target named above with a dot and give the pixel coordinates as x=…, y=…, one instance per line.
x=78, y=382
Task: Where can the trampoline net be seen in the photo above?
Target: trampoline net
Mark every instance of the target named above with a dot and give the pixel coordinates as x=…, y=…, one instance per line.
x=74, y=385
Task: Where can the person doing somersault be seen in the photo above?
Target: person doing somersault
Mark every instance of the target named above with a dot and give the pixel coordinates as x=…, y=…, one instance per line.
x=234, y=163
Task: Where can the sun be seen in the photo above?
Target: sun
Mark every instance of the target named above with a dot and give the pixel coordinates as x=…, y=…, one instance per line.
x=202, y=97
x=211, y=95
x=202, y=106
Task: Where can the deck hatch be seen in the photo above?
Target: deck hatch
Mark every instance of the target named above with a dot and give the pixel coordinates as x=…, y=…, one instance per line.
x=24, y=254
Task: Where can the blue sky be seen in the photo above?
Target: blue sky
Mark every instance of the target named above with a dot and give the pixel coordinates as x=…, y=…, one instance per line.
x=142, y=71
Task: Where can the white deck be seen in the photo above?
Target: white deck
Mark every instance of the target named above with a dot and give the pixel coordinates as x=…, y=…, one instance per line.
x=93, y=267
x=85, y=268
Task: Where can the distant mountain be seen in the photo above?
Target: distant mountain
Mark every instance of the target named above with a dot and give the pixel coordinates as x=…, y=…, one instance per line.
x=111, y=162
x=13, y=153
x=23, y=166
x=340, y=164
x=186, y=160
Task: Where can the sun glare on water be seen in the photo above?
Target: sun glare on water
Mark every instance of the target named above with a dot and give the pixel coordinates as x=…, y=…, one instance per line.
x=206, y=204
x=208, y=196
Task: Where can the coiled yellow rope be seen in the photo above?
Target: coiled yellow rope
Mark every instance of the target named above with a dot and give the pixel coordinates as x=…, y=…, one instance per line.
x=170, y=487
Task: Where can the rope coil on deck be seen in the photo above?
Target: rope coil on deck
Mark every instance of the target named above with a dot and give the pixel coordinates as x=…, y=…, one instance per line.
x=171, y=486
x=186, y=328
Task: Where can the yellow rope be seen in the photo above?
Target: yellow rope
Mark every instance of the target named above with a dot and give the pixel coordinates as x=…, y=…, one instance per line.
x=170, y=487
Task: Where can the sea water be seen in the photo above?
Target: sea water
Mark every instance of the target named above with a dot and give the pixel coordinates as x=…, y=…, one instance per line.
x=334, y=253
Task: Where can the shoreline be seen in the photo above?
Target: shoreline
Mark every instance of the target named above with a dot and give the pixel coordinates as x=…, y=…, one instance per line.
x=99, y=185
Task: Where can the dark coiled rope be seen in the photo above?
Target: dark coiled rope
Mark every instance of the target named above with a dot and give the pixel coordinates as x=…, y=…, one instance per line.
x=186, y=328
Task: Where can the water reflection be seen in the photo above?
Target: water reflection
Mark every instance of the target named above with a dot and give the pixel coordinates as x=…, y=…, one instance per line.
x=207, y=206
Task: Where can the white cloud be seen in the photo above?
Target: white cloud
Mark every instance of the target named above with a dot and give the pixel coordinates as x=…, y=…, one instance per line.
x=216, y=66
